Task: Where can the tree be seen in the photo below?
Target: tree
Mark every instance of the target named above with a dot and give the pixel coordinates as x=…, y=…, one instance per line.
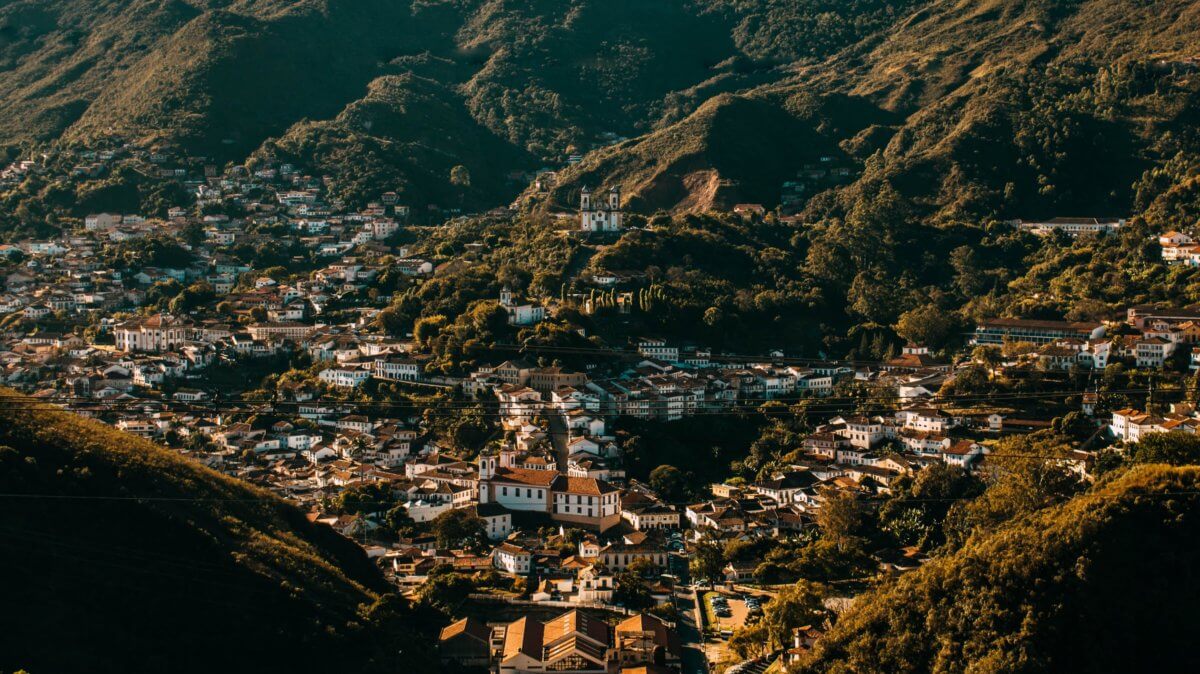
x=795, y=606
x=968, y=275
x=749, y=641
x=641, y=567
x=392, y=321
x=841, y=518
x=928, y=325
x=708, y=561
x=917, y=508
x=1030, y=477
x=669, y=482
x=987, y=356
x=460, y=176
x=459, y=528
x=1074, y=425
x=399, y=521
x=365, y=498
x=632, y=592
x=445, y=589
x=426, y=329
x=1176, y=449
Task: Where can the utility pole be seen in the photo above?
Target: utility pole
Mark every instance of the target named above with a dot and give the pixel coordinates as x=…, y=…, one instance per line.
x=1150, y=395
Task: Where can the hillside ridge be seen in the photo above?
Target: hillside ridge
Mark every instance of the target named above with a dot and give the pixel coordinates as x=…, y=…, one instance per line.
x=134, y=554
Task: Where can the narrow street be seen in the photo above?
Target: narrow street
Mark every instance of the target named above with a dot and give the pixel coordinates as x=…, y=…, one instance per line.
x=690, y=637
x=559, y=438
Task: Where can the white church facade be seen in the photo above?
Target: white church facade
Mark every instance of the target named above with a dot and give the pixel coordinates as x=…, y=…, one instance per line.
x=598, y=216
x=520, y=314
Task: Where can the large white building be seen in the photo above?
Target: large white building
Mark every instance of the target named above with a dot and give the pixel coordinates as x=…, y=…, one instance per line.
x=596, y=216
x=582, y=501
x=512, y=559
x=397, y=368
x=520, y=314
x=344, y=377
x=156, y=334
x=1073, y=227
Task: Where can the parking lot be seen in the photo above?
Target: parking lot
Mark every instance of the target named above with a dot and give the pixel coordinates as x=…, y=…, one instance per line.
x=736, y=616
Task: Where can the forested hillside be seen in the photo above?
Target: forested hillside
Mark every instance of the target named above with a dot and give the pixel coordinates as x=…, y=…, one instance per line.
x=409, y=89
x=969, y=109
x=1104, y=582
x=134, y=555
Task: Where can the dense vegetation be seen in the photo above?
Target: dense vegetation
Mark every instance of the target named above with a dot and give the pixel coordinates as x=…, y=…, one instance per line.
x=969, y=110
x=1103, y=582
x=134, y=555
x=401, y=91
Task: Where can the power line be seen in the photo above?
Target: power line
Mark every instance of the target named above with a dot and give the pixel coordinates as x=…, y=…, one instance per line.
x=280, y=501
x=472, y=403
x=815, y=403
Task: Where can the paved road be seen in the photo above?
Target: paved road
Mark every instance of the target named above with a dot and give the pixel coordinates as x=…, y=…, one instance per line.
x=690, y=637
x=558, y=437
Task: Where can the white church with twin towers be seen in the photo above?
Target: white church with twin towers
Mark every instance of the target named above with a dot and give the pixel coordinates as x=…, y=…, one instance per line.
x=596, y=216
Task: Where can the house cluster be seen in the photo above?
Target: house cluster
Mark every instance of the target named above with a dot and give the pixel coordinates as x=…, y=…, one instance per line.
x=1179, y=248
x=813, y=177
x=282, y=209
x=1150, y=338
x=575, y=642
x=149, y=322
x=1131, y=425
x=860, y=454
x=667, y=383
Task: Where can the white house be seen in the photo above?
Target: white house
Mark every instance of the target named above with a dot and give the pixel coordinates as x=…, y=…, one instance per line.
x=397, y=368
x=512, y=559
x=344, y=378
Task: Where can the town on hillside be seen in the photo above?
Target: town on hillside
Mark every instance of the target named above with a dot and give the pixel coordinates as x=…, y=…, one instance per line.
x=574, y=493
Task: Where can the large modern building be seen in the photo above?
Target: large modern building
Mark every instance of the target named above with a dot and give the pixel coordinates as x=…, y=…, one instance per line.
x=1001, y=330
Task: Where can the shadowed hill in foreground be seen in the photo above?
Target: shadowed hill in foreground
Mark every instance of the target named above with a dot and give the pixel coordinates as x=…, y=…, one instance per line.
x=1103, y=583
x=142, y=561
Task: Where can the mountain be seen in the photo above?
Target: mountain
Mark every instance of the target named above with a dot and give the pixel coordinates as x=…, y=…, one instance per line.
x=496, y=85
x=1102, y=583
x=145, y=561
x=969, y=109
x=1001, y=108
x=734, y=148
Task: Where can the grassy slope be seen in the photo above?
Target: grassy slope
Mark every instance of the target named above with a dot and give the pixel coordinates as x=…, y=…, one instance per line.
x=516, y=83
x=211, y=574
x=229, y=78
x=405, y=135
x=733, y=149
x=967, y=86
x=1105, y=582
